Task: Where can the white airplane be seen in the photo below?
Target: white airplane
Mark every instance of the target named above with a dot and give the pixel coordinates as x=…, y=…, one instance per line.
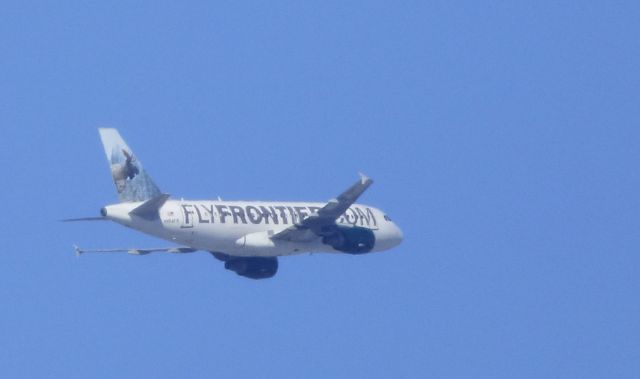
x=247, y=236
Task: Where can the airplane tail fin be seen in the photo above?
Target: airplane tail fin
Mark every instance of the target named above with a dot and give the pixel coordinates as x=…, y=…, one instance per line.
x=131, y=180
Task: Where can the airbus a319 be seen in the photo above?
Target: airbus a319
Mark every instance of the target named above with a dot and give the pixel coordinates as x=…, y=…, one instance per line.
x=248, y=236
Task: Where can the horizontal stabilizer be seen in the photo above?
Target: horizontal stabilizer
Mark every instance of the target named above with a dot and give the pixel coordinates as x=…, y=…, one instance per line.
x=85, y=219
x=149, y=209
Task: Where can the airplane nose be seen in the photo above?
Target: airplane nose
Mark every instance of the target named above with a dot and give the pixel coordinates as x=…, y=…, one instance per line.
x=398, y=236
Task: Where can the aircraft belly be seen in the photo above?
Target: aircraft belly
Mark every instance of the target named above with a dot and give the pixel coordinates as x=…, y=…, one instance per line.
x=246, y=241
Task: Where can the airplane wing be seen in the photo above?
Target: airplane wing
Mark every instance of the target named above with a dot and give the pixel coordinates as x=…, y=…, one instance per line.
x=137, y=251
x=323, y=222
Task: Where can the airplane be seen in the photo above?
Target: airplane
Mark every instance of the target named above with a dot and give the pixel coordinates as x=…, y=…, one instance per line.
x=248, y=236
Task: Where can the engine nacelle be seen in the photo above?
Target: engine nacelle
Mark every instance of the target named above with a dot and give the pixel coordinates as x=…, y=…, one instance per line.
x=351, y=240
x=253, y=267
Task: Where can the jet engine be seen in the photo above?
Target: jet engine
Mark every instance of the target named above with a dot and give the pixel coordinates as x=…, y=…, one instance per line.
x=249, y=267
x=351, y=240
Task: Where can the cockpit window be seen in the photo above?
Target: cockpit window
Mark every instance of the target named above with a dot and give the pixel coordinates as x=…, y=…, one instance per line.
x=387, y=218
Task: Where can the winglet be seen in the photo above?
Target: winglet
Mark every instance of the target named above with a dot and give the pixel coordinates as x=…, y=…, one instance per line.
x=364, y=179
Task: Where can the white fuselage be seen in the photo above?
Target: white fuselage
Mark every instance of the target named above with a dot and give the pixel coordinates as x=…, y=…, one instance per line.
x=244, y=228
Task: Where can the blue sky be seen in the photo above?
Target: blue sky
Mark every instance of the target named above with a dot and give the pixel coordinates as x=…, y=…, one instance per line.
x=503, y=139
